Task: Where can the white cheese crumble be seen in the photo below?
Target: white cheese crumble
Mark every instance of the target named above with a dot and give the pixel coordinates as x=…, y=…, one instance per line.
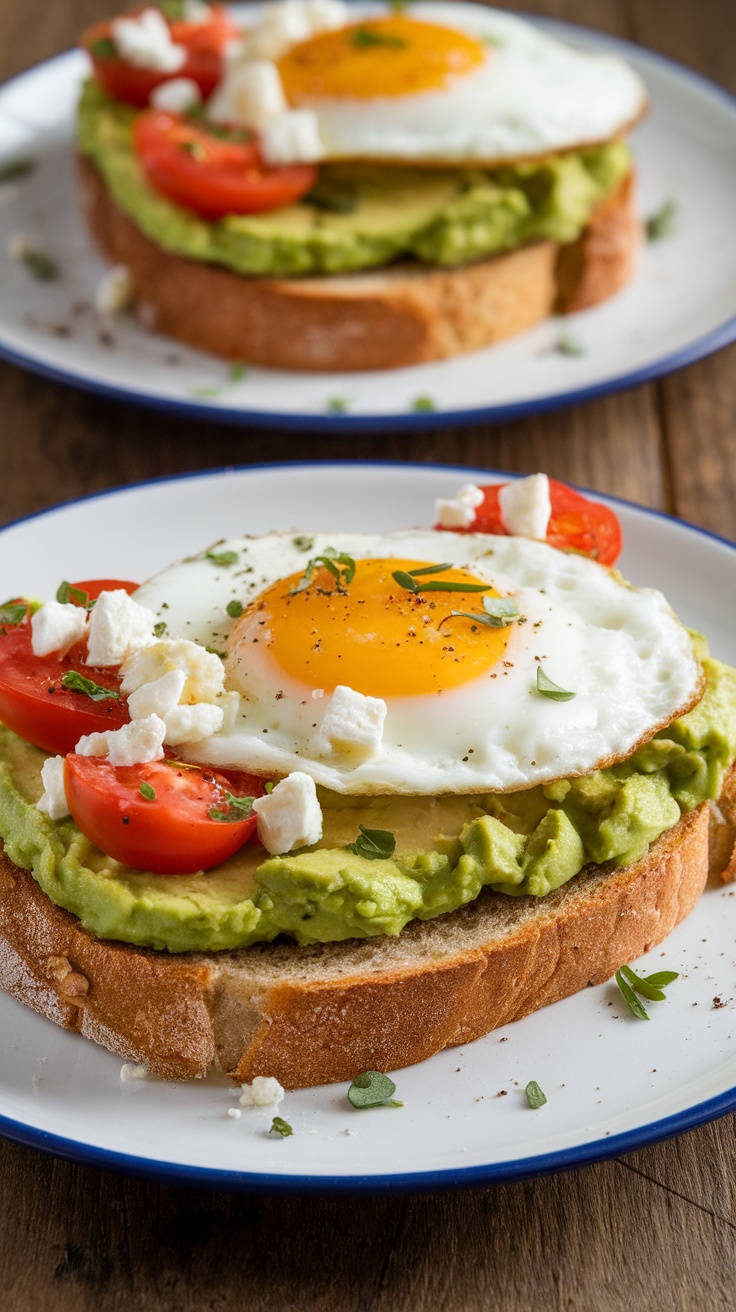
x=459, y=512
x=114, y=291
x=203, y=670
x=158, y=697
x=134, y=744
x=53, y=803
x=117, y=626
x=145, y=42
x=176, y=95
x=190, y=724
x=56, y=626
x=290, y=816
x=292, y=138
x=249, y=95
x=263, y=1092
x=526, y=507
x=352, y=725
x=283, y=24
x=234, y=1113
x=130, y=1072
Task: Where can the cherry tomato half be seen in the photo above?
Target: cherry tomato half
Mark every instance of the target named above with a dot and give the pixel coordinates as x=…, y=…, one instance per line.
x=205, y=44
x=34, y=702
x=212, y=175
x=576, y=524
x=93, y=587
x=162, y=816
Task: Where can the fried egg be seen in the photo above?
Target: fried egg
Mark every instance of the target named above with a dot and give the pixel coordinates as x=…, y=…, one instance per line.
x=465, y=706
x=455, y=84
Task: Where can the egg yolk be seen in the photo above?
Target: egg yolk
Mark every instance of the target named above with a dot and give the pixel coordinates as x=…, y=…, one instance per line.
x=380, y=57
x=372, y=634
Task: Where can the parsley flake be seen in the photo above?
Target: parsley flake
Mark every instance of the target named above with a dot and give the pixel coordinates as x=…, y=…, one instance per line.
x=239, y=808
x=372, y=1089
x=280, y=1129
x=337, y=405
x=365, y=38
x=103, y=48
x=13, y=169
x=76, y=682
x=569, y=344
x=159, y=629
x=649, y=986
x=41, y=265
x=234, y=609
x=302, y=542
x=66, y=593
x=12, y=612
x=663, y=222
x=534, y=1095
x=547, y=688
x=148, y=791
x=423, y=405
x=373, y=844
x=225, y=558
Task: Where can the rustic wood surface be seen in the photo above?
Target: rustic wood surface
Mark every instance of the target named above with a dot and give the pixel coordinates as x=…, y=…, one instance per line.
x=654, y=1230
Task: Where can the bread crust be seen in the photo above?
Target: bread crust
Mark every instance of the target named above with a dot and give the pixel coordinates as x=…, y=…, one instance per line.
x=321, y=1013
x=388, y=318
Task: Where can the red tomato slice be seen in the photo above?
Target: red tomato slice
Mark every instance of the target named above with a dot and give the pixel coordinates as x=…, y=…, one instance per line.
x=171, y=833
x=34, y=702
x=93, y=587
x=576, y=524
x=211, y=175
x=205, y=43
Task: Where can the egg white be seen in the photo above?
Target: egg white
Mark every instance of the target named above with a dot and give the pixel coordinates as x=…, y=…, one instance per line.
x=533, y=95
x=621, y=650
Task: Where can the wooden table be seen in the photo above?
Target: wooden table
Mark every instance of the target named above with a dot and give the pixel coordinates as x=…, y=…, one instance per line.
x=653, y=1230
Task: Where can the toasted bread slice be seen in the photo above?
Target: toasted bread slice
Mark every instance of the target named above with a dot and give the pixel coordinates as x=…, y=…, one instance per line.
x=316, y=1014
x=386, y=318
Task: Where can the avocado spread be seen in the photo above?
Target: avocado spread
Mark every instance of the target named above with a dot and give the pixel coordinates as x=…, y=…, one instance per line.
x=447, y=848
x=360, y=215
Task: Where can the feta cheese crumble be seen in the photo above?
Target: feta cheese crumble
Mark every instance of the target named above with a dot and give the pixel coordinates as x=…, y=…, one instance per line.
x=263, y=1092
x=352, y=724
x=53, y=803
x=203, y=670
x=292, y=138
x=131, y=1072
x=114, y=291
x=158, y=697
x=290, y=816
x=250, y=95
x=145, y=42
x=176, y=96
x=526, y=507
x=134, y=744
x=56, y=626
x=117, y=626
x=190, y=724
x=459, y=512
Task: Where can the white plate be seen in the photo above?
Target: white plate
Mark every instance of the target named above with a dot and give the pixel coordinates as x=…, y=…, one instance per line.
x=681, y=306
x=612, y=1082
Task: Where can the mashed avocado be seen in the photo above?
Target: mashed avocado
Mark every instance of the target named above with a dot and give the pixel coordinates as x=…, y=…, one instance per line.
x=362, y=215
x=447, y=848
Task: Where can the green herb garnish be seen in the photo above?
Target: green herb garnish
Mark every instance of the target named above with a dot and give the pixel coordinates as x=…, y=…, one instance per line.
x=341, y=567
x=534, y=1095
x=568, y=344
x=66, y=593
x=103, y=48
x=195, y=149
x=547, y=688
x=237, y=373
x=337, y=405
x=280, y=1129
x=147, y=791
x=423, y=405
x=302, y=543
x=234, y=609
x=159, y=629
x=225, y=558
x=364, y=38
x=76, y=682
x=662, y=223
x=409, y=582
x=239, y=808
x=649, y=986
x=372, y=1089
x=12, y=612
x=269, y=787
x=40, y=265
x=14, y=169
x=373, y=844
x=428, y=569
x=498, y=613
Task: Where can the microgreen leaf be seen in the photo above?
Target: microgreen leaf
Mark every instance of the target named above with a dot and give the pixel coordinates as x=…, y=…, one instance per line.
x=428, y=569
x=13, y=169
x=76, y=682
x=269, y=787
x=547, y=688
x=148, y=791
x=373, y=844
x=649, y=986
x=225, y=558
x=423, y=405
x=408, y=582
x=498, y=613
x=239, y=808
x=12, y=612
x=280, y=1129
x=364, y=38
x=372, y=1089
x=234, y=609
x=405, y=580
x=661, y=978
x=534, y=1095
x=341, y=567
x=630, y=998
x=663, y=222
x=65, y=593
x=103, y=48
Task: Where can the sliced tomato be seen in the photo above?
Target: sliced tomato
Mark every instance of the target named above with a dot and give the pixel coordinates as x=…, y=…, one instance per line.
x=576, y=524
x=164, y=817
x=34, y=702
x=91, y=588
x=210, y=174
x=204, y=42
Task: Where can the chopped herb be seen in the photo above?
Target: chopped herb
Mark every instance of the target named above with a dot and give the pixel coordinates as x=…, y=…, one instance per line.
x=337, y=405
x=372, y=1089
x=269, y=787
x=341, y=567
x=103, y=48
x=428, y=569
x=662, y=223
x=214, y=652
x=408, y=582
x=66, y=593
x=373, y=844
x=302, y=543
x=365, y=38
x=234, y=609
x=239, y=808
x=222, y=557
x=159, y=629
x=76, y=682
x=14, y=169
x=649, y=986
x=195, y=149
x=280, y=1129
x=498, y=613
x=423, y=405
x=569, y=344
x=147, y=791
x=547, y=688
x=334, y=196
x=237, y=372
x=534, y=1095
x=12, y=612
x=40, y=265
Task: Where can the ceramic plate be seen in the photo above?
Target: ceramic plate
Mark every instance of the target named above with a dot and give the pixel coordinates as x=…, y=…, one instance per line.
x=681, y=306
x=612, y=1082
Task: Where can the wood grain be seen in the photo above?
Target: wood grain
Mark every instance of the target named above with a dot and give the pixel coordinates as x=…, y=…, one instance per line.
x=654, y=1230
